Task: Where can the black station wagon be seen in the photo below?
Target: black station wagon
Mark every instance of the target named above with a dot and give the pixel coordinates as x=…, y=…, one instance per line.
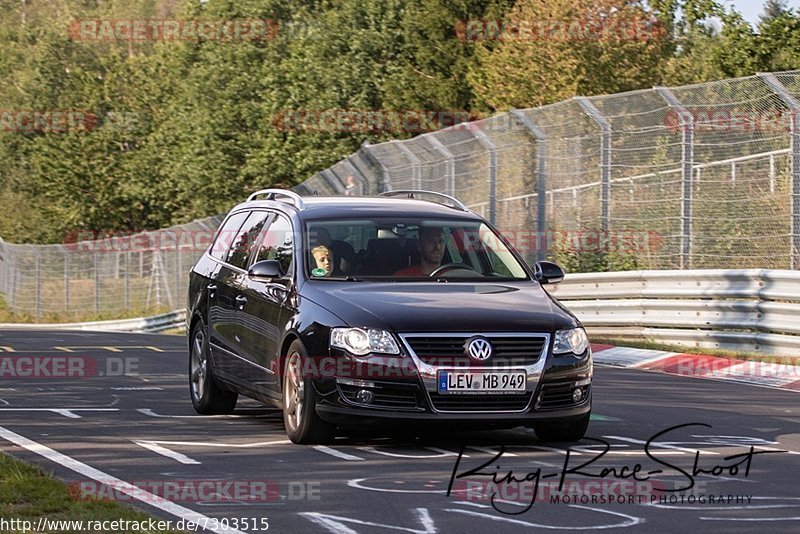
x=406, y=308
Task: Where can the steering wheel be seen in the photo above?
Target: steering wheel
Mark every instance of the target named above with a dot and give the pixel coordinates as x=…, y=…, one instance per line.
x=448, y=266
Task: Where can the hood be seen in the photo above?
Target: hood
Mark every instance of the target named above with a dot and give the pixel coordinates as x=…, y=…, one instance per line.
x=441, y=307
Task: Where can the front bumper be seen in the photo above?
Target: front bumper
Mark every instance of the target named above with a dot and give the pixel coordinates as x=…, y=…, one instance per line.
x=409, y=399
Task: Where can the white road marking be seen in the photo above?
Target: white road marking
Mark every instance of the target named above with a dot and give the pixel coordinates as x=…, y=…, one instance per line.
x=163, y=451
x=336, y=524
x=119, y=485
x=337, y=454
x=441, y=453
x=158, y=447
x=357, y=483
x=661, y=445
x=629, y=519
x=151, y=413
x=66, y=412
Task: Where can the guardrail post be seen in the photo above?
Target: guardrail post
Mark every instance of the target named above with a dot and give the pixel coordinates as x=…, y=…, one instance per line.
x=387, y=179
x=416, y=167
x=605, y=159
x=491, y=179
x=794, y=162
x=541, y=182
x=687, y=173
x=450, y=179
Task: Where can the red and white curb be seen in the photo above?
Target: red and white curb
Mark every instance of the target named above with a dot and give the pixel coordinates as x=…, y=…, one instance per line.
x=779, y=374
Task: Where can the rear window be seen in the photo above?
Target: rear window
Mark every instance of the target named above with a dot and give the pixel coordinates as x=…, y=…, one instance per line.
x=226, y=234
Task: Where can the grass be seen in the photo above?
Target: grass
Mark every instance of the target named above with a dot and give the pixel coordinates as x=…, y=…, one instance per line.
x=722, y=353
x=28, y=493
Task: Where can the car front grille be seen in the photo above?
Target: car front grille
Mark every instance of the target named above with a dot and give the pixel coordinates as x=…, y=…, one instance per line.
x=452, y=402
x=507, y=351
x=559, y=395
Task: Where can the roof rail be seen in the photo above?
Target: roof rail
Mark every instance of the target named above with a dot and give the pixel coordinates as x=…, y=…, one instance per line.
x=454, y=202
x=296, y=199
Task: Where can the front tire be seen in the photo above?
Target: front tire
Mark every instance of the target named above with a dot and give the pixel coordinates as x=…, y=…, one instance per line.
x=303, y=425
x=207, y=397
x=571, y=431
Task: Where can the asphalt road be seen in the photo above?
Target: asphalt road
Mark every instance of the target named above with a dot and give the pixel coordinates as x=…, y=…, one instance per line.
x=125, y=413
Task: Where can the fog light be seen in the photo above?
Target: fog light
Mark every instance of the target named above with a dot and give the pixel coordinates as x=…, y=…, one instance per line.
x=577, y=395
x=365, y=396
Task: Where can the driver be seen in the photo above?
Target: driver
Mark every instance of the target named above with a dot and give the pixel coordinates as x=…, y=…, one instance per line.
x=431, y=252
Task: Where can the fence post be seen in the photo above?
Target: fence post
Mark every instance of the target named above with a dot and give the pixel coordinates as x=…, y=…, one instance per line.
x=38, y=285
x=67, y=269
x=356, y=173
x=178, y=270
x=793, y=104
x=387, y=179
x=541, y=182
x=491, y=179
x=127, y=280
x=330, y=177
x=96, y=282
x=687, y=172
x=416, y=166
x=450, y=179
x=605, y=159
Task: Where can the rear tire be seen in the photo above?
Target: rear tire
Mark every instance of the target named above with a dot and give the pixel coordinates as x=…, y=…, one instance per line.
x=571, y=431
x=207, y=397
x=303, y=425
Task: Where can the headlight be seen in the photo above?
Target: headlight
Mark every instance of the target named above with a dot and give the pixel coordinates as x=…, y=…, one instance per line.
x=573, y=340
x=361, y=341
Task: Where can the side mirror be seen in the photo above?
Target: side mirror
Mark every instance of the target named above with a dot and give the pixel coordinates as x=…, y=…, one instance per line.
x=547, y=272
x=266, y=269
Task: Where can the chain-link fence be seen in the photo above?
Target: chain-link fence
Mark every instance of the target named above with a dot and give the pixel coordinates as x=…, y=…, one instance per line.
x=701, y=176
x=142, y=273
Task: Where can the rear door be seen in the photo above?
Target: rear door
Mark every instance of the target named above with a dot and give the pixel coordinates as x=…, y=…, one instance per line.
x=222, y=291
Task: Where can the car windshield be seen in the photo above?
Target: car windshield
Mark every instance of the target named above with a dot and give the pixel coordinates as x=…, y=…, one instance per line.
x=402, y=249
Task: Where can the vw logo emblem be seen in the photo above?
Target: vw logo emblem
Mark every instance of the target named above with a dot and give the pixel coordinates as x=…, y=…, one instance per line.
x=479, y=349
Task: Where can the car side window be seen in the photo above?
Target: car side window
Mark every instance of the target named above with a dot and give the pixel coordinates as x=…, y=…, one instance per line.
x=245, y=241
x=225, y=236
x=278, y=243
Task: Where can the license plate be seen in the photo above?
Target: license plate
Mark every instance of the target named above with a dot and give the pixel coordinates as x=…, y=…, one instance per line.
x=461, y=382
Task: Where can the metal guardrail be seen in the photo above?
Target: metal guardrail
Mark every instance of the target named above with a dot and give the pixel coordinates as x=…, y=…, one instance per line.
x=750, y=310
x=157, y=323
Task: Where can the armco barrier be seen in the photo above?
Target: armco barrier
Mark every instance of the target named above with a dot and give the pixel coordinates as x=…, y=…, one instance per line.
x=749, y=310
x=157, y=323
